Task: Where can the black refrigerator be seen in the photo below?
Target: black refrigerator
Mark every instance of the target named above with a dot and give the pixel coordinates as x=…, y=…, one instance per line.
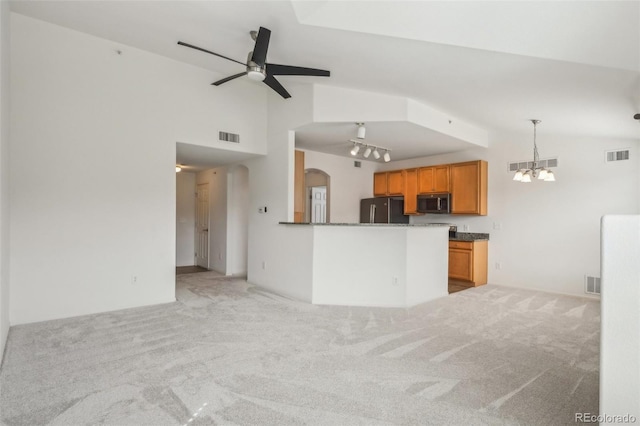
x=383, y=210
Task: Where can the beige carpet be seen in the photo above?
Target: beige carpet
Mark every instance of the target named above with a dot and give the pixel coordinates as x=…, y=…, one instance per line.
x=231, y=353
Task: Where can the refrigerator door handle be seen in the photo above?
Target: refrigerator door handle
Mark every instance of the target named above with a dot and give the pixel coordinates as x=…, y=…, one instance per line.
x=439, y=206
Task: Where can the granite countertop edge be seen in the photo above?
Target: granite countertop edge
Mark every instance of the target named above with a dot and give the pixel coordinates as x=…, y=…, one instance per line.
x=470, y=236
x=416, y=225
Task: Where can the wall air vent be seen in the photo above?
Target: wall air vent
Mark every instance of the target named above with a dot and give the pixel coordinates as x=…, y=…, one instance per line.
x=522, y=165
x=229, y=137
x=591, y=284
x=616, y=155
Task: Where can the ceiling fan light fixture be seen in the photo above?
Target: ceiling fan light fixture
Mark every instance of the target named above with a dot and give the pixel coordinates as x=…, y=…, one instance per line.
x=256, y=74
x=549, y=177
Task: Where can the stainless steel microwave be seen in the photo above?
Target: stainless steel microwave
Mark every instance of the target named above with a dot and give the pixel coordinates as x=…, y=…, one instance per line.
x=434, y=203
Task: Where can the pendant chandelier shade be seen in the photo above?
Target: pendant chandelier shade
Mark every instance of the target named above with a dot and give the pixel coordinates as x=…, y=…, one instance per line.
x=535, y=171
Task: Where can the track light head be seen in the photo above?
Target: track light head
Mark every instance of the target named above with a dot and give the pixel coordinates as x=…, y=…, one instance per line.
x=376, y=154
x=386, y=157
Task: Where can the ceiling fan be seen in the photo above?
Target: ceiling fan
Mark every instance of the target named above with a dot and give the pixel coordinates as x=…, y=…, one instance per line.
x=257, y=67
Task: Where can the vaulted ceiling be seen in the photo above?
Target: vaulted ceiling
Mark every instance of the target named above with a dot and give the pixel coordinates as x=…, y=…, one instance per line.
x=574, y=64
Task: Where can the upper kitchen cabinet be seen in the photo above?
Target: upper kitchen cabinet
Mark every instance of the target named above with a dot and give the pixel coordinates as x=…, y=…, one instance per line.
x=388, y=183
x=411, y=191
x=434, y=179
x=469, y=188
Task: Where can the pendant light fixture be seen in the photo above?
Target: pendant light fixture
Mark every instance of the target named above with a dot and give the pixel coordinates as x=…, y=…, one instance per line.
x=526, y=175
x=361, y=130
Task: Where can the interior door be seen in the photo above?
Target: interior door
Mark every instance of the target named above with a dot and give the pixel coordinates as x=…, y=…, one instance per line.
x=202, y=225
x=318, y=204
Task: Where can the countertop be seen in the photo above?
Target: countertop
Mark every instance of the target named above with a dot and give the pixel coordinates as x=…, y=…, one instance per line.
x=470, y=236
x=416, y=225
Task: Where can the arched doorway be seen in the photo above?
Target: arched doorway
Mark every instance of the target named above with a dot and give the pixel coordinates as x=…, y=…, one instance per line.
x=317, y=193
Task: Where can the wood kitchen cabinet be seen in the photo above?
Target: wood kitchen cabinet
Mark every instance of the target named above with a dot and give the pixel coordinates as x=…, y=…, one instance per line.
x=388, y=183
x=411, y=191
x=469, y=187
x=434, y=179
x=468, y=262
x=298, y=188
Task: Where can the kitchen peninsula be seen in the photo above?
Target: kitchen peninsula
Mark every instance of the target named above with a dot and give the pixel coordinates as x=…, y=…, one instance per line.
x=385, y=265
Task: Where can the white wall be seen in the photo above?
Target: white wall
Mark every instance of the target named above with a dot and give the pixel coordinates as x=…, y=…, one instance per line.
x=620, y=337
x=4, y=173
x=271, y=185
x=93, y=143
x=550, y=231
x=348, y=184
x=185, y=218
x=238, y=220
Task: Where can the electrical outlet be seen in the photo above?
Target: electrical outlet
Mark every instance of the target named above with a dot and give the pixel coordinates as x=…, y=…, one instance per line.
x=497, y=225
x=498, y=265
x=394, y=281
x=134, y=279
x=465, y=227
x=264, y=265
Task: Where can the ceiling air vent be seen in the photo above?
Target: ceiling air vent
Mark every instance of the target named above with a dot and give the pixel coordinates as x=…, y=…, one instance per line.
x=591, y=284
x=521, y=165
x=229, y=137
x=617, y=155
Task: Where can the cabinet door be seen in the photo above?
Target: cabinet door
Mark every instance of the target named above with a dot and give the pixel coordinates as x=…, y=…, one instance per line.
x=395, y=182
x=425, y=180
x=469, y=188
x=298, y=197
x=411, y=191
x=379, y=184
x=461, y=264
x=441, y=179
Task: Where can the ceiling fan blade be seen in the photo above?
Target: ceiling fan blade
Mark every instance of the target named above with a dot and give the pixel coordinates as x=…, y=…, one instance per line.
x=275, y=69
x=208, y=51
x=262, y=44
x=270, y=81
x=224, y=80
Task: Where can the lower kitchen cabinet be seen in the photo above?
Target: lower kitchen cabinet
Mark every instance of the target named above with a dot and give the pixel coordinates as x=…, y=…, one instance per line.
x=468, y=262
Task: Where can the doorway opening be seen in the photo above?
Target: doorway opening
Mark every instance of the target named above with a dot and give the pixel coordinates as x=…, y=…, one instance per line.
x=317, y=189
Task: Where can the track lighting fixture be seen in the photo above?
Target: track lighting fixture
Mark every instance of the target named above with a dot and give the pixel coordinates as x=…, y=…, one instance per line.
x=370, y=149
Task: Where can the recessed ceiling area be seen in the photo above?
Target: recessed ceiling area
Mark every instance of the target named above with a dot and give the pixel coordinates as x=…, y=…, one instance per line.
x=404, y=139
